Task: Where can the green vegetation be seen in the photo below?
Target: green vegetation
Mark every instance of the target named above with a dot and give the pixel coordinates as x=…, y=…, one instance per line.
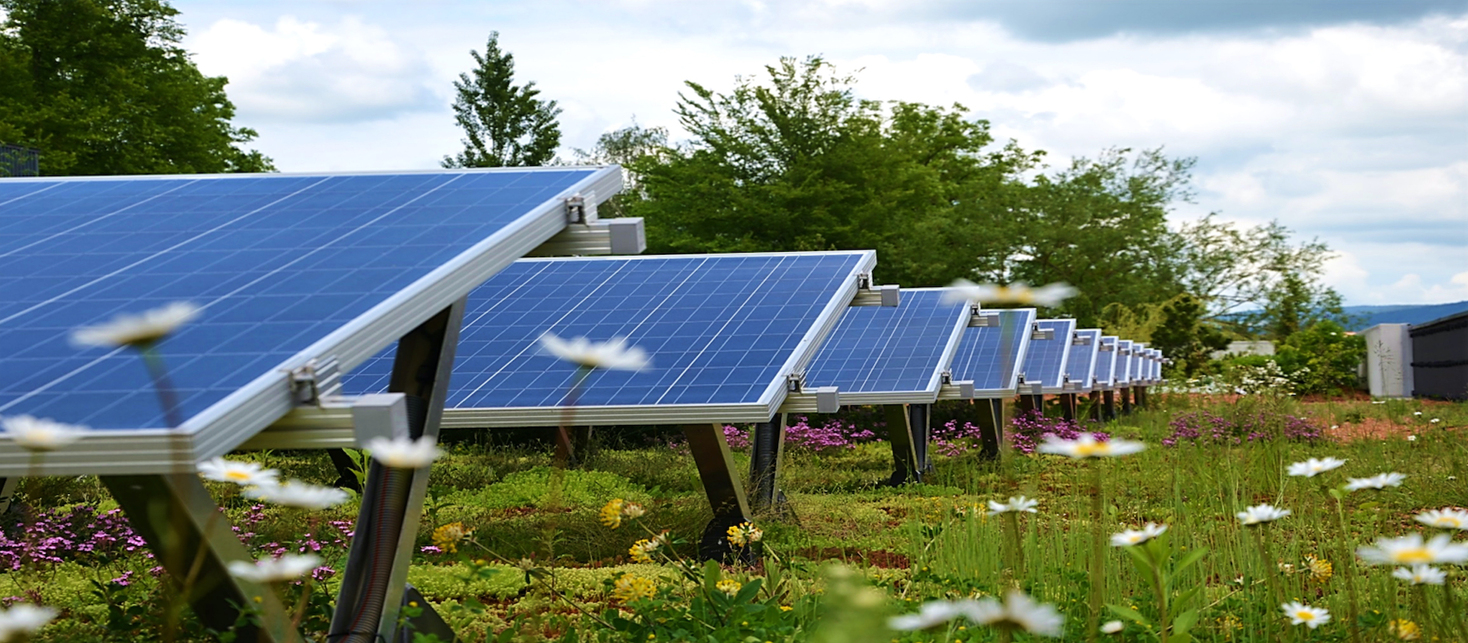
x=504, y=124
x=551, y=567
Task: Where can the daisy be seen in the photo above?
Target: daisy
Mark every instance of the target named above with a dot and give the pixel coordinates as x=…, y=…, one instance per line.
x=1302, y=614
x=1381, y=481
x=299, y=495
x=40, y=434
x=613, y=354
x=1131, y=537
x=1112, y=627
x=23, y=619
x=271, y=570
x=1420, y=575
x=1412, y=550
x=1311, y=467
x=404, y=452
x=1016, y=504
x=1018, y=611
x=1261, y=514
x=1087, y=446
x=931, y=614
x=139, y=331
x=1018, y=293
x=245, y=474
x=1444, y=518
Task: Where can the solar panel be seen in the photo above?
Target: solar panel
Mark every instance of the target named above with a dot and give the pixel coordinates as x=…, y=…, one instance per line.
x=287, y=268
x=1125, y=363
x=989, y=355
x=1104, y=371
x=891, y=354
x=723, y=333
x=1082, y=362
x=1154, y=371
x=1045, y=362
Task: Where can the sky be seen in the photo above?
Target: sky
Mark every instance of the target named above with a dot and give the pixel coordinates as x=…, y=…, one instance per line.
x=1345, y=120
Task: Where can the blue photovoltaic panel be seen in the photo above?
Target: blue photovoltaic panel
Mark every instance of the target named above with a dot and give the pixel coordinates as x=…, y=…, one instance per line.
x=988, y=355
x=901, y=348
x=1081, y=364
x=277, y=262
x=1105, y=359
x=718, y=328
x=1123, y=373
x=1045, y=362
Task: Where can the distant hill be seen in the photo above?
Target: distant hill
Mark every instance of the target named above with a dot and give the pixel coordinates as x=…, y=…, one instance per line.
x=1368, y=316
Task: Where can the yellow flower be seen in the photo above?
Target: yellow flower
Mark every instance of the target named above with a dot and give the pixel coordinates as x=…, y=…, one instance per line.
x=1405, y=630
x=633, y=510
x=727, y=586
x=1320, y=569
x=744, y=533
x=447, y=537
x=642, y=550
x=631, y=587
x=786, y=608
x=611, y=514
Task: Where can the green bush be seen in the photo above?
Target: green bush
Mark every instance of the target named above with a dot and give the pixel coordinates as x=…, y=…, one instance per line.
x=1322, y=359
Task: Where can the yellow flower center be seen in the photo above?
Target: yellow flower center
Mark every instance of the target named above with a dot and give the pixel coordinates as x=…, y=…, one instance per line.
x=1448, y=521
x=237, y=475
x=1089, y=450
x=1415, y=555
x=1305, y=616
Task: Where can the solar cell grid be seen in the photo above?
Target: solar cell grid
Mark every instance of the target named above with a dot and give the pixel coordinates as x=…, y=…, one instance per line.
x=1082, y=362
x=719, y=329
x=1124, y=362
x=886, y=349
x=1105, y=363
x=1045, y=363
x=278, y=263
x=990, y=356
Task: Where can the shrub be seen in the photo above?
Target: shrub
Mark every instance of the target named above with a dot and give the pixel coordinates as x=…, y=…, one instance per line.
x=1204, y=427
x=1322, y=359
x=1028, y=430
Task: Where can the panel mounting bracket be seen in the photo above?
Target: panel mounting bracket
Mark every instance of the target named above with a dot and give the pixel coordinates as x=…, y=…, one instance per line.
x=795, y=383
x=1107, y=347
x=869, y=295
x=581, y=208
x=1077, y=339
x=316, y=380
x=1041, y=333
x=980, y=319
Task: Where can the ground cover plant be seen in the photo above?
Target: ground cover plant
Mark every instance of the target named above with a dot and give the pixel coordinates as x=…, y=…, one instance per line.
x=512, y=548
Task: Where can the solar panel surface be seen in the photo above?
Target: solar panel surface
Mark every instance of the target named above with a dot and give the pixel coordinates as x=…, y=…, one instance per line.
x=281, y=265
x=1125, y=362
x=1045, y=363
x=989, y=356
x=1105, y=362
x=722, y=331
x=891, y=349
x=1081, y=364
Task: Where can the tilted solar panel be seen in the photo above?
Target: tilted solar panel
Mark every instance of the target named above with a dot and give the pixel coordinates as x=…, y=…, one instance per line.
x=990, y=355
x=723, y=333
x=287, y=268
x=1106, y=362
x=1045, y=363
x=1082, y=362
x=1125, y=363
x=891, y=354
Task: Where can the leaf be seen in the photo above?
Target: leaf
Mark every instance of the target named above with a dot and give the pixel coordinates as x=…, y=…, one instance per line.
x=1184, y=598
x=749, y=591
x=1129, y=613
x=1338, y=493
x=712, y=574
x=1184, y=622
x=1188, y=560
x=1140, y=561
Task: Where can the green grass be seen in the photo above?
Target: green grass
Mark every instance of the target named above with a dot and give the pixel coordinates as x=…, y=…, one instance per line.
x=912, y=542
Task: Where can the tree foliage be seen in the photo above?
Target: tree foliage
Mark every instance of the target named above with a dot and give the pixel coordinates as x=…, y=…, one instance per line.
x=1185, y=336
x=104, y=87
x=505, y=125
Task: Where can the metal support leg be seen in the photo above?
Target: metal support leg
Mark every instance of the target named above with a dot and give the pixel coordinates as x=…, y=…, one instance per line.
x=1108, y=402
x=767, y=446
x=345, y=467
x=725, y=492
x=192, y=540
x=1068, y=406
x=899, y=434
x=991, y=428
x=1031, y=402
x=918, y=418
x=8, y=487
x=375, y=579
x=1141, y=395
x=1094, y=400
x=572, y=444
x=1126, y=400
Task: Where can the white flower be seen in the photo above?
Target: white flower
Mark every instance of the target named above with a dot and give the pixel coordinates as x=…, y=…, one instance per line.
x=23, y=619
x=1311, y=467
x=1412, y=550
x=1016, y=504
x=1018, y=293
x=1417, y=413
x=1131, y=537
x=1411, y=438
x=930, y=614
x=404, y=453
x=1381, y=481
x=1444, y=518
x=1302, y=614
x=298, y=494
x=613, y=354
x=137, y=330
x=1420, y=575
x=1087, y=446
x=1112, y=627
x=271, y=570
x=40, y=434
x=1261, y=514
x=1434, y=421
x=1019, y=611
x=245, y=474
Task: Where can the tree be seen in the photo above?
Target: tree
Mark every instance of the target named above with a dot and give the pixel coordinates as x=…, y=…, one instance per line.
x=624, y=147
x=1184, y=336
x=794, y=161
x=104, y=87
x=504, y=125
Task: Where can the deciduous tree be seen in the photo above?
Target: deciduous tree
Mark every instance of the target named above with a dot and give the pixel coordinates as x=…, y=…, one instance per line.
x=505, y=125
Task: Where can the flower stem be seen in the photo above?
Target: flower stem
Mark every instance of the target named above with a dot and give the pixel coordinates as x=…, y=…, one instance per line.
x=1098, y=554
x=167, y=396
x=1348, y=569
x=1163, y=616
